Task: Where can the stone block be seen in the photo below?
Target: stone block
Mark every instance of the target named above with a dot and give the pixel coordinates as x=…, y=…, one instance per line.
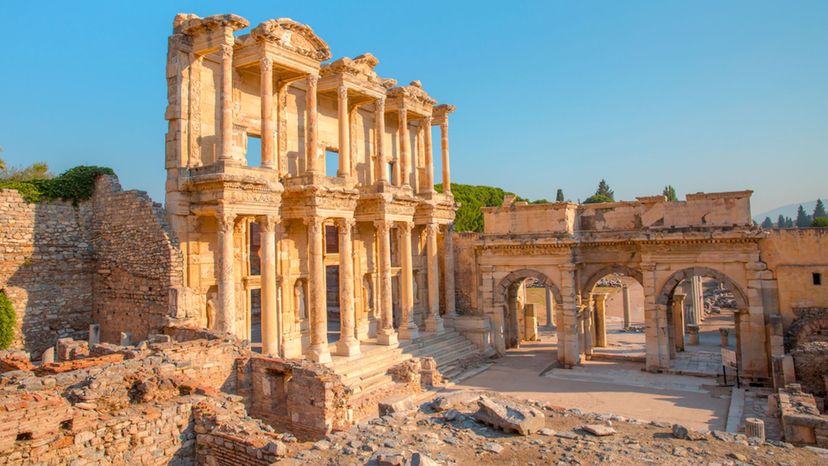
x=509, y=417
x=397, y=404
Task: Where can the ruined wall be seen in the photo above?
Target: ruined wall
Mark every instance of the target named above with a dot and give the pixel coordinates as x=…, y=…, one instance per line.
x=794, y=255
x=138, y=261
x=110, y=260
x=46, y=269
x=465, y=272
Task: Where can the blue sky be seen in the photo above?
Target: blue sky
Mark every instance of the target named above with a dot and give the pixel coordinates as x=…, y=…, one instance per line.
x=703, y=95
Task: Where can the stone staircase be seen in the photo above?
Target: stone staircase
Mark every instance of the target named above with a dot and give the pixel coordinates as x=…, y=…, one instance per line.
x=368, y=371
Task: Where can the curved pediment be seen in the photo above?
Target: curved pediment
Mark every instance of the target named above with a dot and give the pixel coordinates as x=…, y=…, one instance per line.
x=294, y=36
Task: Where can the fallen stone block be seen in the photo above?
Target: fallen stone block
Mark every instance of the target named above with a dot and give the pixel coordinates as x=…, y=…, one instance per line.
x=396, y=404
x=492, y=447
x=598, y=430
x=681, y=432
x=15, y=360
x=444, y=402
x=388, y=458
x=509, y=417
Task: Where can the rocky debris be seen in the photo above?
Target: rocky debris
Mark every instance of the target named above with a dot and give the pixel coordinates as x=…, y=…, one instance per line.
x=397, y=404
x=15, y=360
x=388, y=458
x=681, y=432
x=419, y=459
x=493, y=447
x=509, y=417
x=598, y=430
x=443, y=402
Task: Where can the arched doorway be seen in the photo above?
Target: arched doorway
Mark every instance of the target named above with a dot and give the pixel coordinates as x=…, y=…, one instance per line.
x=611, y=324
x=528, y=298
x=704, y=313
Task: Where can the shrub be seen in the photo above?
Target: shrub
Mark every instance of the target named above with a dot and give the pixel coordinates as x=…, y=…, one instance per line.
x=820, y=222
x=8, y=321
x=597, y=198
x=76, y=184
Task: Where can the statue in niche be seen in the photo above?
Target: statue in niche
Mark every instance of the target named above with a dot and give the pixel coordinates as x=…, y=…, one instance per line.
x=210, y=311
x=367, y=294
x=299, y=300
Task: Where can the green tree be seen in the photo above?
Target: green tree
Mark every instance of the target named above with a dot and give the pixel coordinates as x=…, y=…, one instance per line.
x=820, y=222
x=670, y=193
x=559, y=197
x=788, y=222
x=802, y=219
x=604, y=190
x=780, y=222
x=819, y=210
x=8, y=321
x=768, y=223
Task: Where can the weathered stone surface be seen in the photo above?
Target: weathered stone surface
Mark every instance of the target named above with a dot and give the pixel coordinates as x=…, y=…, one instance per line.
x=682, y=432
x=397, y=404
x=598, y=430
x=509, y=417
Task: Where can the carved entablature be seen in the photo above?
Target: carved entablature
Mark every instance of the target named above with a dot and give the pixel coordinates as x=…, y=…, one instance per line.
x=412, y=97
x=290, y=35
x=438, y=208
x=304, y=202
x=208, y=33
x=385, y=206
x=357, y=74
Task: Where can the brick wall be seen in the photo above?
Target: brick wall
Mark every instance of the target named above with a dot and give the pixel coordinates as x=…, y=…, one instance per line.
x=46, y=269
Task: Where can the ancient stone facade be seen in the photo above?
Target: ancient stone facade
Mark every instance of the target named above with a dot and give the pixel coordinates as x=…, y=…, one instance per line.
x=567, y=248
x=274, y=246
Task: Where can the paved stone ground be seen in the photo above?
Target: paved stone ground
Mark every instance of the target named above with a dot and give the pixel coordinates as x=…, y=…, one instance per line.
x=620, y=388
x=756, y=405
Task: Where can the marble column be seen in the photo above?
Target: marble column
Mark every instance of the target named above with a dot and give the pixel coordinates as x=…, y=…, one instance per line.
x=270, y=323
x=347, y=345
x=268, y=144
x=448, y=269
x=226, y=102
x=404, y=167
x=386, y=335
x=550, y=307
x=311, y=127
x=678, y=320
x=318, y=350
x=588, y=324
x=601, y=320
x=625, y=298
x=344, y=133
x=379, y=140
x=698, y=299
x=226, y=313
x=429, y=156
x=444, y=147
x=408, y=329
x=569, y=323
x=433, y=322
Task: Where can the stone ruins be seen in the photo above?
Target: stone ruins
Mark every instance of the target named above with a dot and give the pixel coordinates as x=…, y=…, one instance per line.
x=304, y=277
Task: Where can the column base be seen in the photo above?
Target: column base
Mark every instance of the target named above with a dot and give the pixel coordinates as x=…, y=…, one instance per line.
x=434, y=324
x=409, y=332
x=387, y=337
x=292, y=346
x=363, y=330
x=347, y=348
x=319, y=353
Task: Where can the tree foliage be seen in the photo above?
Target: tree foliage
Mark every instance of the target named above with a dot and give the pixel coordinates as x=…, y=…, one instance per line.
x=820, y=222
x=75, y=184
x=767, y=223
x=559, y=196
x=598, y=198
x=8, y=321
x=789, y=222
x=802, y=219
x=604, y=190
x=780, y=222
x=670, y=193
x=819, y=210
x=471, y=198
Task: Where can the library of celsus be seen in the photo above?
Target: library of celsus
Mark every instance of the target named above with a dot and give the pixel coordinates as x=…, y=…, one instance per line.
x=302, y=295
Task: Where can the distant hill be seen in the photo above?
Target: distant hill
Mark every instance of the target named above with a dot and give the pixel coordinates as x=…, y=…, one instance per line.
x=471, y=199
x=788, y=210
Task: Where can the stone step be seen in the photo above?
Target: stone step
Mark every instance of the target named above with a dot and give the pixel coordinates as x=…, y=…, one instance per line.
x=377, y=367
x=438, y=346
x=376, y=353
x=370, y=383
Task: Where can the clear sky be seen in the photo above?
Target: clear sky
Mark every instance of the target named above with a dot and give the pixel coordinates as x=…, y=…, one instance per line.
x=704, y=95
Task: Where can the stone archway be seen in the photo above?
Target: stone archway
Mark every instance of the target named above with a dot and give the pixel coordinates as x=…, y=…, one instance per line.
x=665, y=295
x=505, y=299
x=595, y=316
x=608, y=270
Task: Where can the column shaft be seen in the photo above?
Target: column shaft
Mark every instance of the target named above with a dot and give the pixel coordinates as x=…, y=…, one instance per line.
x=550, y=303
x=270, y=323
x=347, y=344
x=226, y=102
x=698, y=299
x=344, y=133
x=601, y=320
x=444, y=147
x=318, y=350
x=408, y=329
x=433, y=322
x=226, y=315
x=627, y=305
x=385, y=334
x=678, y=320
x=404, y=165
x=268, y=145
x=379, y=117
x=311, y=130
x=429, y=156
x=448, y=269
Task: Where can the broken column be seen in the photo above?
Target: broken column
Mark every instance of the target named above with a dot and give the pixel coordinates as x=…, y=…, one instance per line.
x=723, y=336
x=692, y=334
